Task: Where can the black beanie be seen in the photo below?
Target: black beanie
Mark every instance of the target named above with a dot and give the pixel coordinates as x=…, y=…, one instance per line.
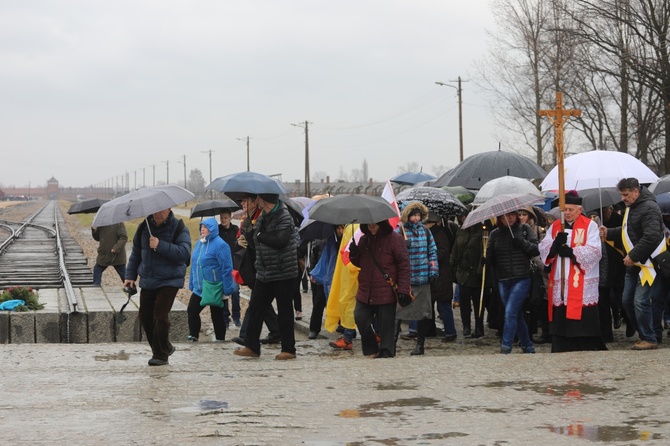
x=270, y=198
x=414, y=211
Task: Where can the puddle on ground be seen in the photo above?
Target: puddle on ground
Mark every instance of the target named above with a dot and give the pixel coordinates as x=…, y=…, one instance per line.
x=604, y=434
x=571, y=390
x=120, y=356
x=204, y=406
x=396, y=386
x=380, y=409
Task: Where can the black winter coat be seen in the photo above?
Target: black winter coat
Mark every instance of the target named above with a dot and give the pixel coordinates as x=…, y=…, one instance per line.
x=507, y=260
x=276, y=247
x=442, y=289
x=644, y=226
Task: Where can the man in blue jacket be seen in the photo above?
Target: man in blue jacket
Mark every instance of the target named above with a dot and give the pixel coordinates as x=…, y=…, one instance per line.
x=161, y=248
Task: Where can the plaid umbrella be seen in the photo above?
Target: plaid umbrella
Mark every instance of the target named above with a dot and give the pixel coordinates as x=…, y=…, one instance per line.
x=437, y=200
x=500, y=205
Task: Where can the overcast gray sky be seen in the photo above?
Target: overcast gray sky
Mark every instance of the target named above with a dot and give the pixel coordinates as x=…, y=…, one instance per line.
x=91, y=89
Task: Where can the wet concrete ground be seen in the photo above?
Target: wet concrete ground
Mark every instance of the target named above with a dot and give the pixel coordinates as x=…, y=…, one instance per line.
x=106, y=394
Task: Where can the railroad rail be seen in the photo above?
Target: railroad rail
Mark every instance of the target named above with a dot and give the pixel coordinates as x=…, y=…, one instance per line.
x=40, y=253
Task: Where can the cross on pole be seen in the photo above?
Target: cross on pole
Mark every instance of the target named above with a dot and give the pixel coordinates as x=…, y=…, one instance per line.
x=558, y=117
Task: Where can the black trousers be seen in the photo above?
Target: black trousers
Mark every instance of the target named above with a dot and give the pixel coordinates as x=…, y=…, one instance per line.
x=219, y=317
x=155, y=306
x=261, y=299
x=319, y=300
x=365, y=315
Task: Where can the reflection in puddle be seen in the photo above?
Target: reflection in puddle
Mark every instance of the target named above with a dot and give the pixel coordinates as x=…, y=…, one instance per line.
x=395, y=386
x=603, y=433
x=204, y=406
x=571, y=390
x=120, y=356
x=380, y=409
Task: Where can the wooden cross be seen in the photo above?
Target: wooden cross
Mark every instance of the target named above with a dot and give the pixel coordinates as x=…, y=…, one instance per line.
x=558, y=117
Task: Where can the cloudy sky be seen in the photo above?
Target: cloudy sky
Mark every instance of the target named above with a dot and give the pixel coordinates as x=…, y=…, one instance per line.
x=91, y=90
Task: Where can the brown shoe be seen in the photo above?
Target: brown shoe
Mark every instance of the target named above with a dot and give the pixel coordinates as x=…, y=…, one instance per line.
x=246, y=351
x=644, y=345
x=283, y=356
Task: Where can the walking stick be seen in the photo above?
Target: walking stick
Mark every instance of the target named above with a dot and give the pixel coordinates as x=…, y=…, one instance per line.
x=485, y=242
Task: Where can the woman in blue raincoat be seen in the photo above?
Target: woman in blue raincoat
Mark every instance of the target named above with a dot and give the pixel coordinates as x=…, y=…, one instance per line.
x=213, y=262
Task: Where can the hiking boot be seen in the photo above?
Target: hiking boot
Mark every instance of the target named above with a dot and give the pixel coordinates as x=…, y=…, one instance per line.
x=156, y=361
x=271, y=340
x=467, y=332
x=342, y=344
x=283, y=356
x=644, y=345
x=247, y=352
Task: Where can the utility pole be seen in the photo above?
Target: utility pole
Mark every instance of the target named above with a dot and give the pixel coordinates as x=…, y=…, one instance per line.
x=210, y=170
x=306, y=124
x=144, y=177
x=247, y=140
x=167, y=164
x=460, y=112
x=185, y=185
x=154, y=176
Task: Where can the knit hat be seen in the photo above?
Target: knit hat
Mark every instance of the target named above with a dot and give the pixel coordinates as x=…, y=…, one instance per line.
x=270, y=198
x=571, y=197
x=414, y=211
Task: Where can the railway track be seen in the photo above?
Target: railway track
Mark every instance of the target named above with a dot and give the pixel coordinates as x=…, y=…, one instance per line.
x=40, y=253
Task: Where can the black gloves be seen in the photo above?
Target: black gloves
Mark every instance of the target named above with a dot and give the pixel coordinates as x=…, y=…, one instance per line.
x=565, y=251
x=353, y=248
x=560, y=240
x=517, y=242
x=404, y=299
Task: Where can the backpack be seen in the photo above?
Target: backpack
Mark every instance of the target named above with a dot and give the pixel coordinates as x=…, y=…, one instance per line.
x=180, y=228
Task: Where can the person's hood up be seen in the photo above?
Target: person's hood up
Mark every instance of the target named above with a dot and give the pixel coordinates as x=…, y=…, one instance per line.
x=411, y=208
x=384, y=228
x=213, y=227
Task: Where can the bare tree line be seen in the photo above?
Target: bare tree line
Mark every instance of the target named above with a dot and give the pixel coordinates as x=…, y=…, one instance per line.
x=609, y=58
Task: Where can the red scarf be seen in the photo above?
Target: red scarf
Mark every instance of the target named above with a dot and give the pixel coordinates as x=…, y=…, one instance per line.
x=575, y=285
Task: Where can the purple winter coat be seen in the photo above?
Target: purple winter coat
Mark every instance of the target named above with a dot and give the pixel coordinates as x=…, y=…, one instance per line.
x=391, y=255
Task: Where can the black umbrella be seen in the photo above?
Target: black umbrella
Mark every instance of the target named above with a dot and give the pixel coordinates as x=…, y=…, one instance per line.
x=344, y=209
x=437, y=200
x=87, y=206
x=213, y=207
x=294, y=207
x=476, y=170
x=315, y=230
x=596, y=198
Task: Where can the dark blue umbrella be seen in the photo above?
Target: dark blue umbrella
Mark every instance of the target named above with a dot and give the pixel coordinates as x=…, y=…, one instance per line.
x=663, y=201
x=247, y=182
x=411, y=178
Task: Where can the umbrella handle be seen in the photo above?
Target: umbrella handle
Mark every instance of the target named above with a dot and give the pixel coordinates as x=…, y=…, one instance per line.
x=146, y=220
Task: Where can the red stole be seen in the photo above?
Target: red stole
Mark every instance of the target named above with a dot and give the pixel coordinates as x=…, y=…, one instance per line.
x=575, y=285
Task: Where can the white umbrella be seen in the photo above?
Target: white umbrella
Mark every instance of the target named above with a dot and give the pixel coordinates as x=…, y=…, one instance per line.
x=499, y=205
x=505, y=185
x=598, y=168
x=140, y=203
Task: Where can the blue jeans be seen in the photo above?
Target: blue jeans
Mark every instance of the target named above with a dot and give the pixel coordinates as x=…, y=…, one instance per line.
x=637, y=304
x=98, y=269
x=513, y=293
x=447, y=314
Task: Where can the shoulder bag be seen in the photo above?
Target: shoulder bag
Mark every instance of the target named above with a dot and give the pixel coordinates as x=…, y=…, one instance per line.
x=402, y=298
